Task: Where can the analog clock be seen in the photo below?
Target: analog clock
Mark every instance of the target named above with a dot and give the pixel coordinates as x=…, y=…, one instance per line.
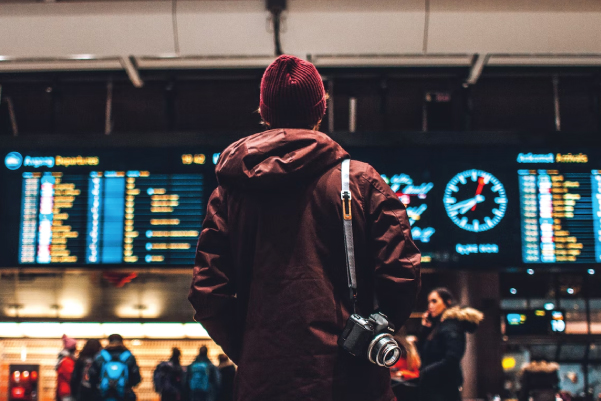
x=475, y=200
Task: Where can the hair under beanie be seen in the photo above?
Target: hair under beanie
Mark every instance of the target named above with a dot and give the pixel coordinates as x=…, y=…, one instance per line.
x=292, y=94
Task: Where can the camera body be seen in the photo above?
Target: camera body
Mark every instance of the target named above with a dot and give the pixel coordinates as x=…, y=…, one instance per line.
x=371, y=338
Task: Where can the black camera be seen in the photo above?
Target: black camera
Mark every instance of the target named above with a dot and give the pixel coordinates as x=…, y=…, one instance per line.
x=371, y=338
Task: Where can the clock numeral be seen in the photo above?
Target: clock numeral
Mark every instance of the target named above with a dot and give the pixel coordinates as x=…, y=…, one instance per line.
x=462, y=179
x=488, y=221
x=497, y=187
x=497, y=212
x=501, y=201
x=474, y=175
x=476, y=225
x=450, y=200
x=463, y=222
x=453, y=188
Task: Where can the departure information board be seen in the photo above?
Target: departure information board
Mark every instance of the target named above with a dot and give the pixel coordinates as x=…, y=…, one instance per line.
x=469, y=207
x=73, y=212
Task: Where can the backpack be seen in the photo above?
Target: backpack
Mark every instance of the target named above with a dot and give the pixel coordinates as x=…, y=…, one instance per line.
x=114, y=375
x=199, y=377
x=163, y=378
x=85, y=373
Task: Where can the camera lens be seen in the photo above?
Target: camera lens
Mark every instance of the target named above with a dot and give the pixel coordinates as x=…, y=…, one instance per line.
x=384, y=350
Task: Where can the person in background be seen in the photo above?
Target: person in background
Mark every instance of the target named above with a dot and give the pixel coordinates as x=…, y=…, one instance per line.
x=168, y=377
x=81, y=386
x=270, y=281
x=202, y=378
x=227, y=372
x=442, y=346
x=64, y=369
x=115, y=371
x=539, y=381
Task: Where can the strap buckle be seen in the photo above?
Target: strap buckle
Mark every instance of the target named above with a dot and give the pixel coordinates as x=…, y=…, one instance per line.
x=346, y=205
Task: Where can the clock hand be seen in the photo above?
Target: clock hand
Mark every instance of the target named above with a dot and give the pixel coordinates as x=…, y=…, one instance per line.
x=477, y=199
x=461, y=205
x=479, y=190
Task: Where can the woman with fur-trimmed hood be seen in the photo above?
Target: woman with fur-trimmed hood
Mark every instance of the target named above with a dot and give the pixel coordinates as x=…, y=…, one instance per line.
x=539, y=380
x=442, y=346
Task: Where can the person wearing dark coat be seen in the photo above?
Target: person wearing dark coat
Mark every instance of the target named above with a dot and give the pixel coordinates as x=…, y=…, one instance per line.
x=539, y=380
x=115, y=349
x=442, y=345
x=80, y=380
x=270, y=277
x=227, y=372
x=173, y=376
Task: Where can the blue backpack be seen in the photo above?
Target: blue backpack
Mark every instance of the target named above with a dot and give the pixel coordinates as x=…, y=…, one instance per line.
x=199, y=377
x=114, y=376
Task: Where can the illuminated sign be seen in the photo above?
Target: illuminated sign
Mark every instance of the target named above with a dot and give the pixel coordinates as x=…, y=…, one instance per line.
x=468, y=249
x=570, y=158
x=145, y=206
x=534, y=158
x=13, y=160
x=534, y=322
x=413, y=197
x=475, y=200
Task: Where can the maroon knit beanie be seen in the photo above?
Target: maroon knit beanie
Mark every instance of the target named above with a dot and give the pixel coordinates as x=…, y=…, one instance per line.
x=292, y=94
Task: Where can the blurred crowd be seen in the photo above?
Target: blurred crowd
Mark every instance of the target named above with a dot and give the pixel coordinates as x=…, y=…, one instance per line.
x=111, y=373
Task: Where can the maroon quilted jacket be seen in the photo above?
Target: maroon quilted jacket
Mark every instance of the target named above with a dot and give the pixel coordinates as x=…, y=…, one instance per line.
x=270, y=282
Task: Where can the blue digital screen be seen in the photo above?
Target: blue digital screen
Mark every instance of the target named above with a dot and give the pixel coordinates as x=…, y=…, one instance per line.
x=96, y=210
x=469, y=207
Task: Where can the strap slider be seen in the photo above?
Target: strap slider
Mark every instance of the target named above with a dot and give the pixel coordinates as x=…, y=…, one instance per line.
x=346, y=205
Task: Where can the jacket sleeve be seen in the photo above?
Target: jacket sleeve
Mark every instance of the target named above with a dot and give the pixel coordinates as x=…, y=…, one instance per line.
x=134, y=371
x=212, y=293
x=453, y=343
x=397, y=259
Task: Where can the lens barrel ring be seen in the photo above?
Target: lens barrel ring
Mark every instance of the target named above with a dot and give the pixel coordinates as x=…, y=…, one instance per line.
x=384, y=346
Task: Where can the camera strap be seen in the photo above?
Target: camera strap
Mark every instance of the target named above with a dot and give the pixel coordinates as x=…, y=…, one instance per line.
x=347, y=220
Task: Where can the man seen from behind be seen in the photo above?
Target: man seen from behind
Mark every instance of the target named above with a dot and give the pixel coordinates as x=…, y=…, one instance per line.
x=270, y=279
x=115, y=372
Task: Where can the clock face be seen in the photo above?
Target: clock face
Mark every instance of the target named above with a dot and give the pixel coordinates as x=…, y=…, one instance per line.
x=475, y=200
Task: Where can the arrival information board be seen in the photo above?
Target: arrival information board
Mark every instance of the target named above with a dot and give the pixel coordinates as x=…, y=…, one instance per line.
x=468, y=207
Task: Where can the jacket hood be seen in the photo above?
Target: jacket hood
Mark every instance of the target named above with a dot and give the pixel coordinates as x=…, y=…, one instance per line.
x=541, y=367
x=277, y=157
x=469, y=317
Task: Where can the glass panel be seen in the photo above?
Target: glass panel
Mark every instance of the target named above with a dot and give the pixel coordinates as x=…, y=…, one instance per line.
x=595, y=321
x=509, y=304
x=595, y=352
x=576, y=323
x=572, y=304
x=542, y=303
x=594, y=381
x=572, y=378
x=595, y=303
x=572, y=352
x=543, y=351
